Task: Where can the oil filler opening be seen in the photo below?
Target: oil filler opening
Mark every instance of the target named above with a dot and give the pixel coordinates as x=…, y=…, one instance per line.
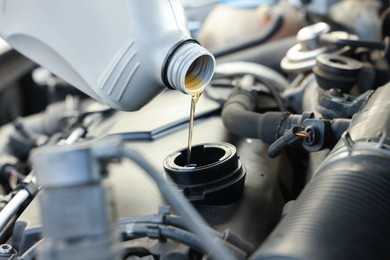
x=215, y=176
x=200, y=156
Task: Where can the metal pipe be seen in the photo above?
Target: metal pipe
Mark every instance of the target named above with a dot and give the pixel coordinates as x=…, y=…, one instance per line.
x=12, y=207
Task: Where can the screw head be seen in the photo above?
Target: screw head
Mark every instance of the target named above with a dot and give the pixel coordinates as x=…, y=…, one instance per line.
x=6, y=250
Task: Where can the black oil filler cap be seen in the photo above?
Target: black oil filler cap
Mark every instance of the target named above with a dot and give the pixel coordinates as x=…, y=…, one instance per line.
x=215, y=175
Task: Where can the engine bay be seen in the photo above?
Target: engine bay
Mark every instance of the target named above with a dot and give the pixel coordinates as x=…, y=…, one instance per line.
x=290, y=152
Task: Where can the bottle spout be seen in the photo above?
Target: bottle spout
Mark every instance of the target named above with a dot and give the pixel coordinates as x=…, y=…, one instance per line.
x=189, y=68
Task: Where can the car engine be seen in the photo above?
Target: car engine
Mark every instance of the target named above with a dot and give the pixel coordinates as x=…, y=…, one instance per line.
x=287, y=155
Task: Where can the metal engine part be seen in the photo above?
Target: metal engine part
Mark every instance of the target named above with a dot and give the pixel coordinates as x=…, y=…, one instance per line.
x=302, y=56
x=290, y=164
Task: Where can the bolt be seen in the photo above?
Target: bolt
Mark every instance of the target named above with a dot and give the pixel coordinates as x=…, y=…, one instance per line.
x=336, y=92
x=309, y=36
x=6, y=250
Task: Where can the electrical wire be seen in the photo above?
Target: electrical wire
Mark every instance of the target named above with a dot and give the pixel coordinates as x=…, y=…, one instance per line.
x=303, y=134
x=170, y=220
x=291, y=136
x=137, y=230
x=276, y=95
x=178, y=222
x=276, y=24
x=194, y=222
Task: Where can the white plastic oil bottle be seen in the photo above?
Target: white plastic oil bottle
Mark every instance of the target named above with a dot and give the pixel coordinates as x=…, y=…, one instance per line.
x=120, y=52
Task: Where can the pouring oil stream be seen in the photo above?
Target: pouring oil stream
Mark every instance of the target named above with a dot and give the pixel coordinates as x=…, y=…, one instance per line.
x=194, y=100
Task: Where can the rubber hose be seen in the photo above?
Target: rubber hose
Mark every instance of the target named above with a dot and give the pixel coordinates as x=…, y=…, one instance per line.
x=275, y=25
x=45, y=123
x=343, y=213
x=239, y=118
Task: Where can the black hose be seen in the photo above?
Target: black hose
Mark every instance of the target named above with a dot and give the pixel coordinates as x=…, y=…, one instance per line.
x=178, y=222
x=277, y=22
x=138, y=230
x=237, y=241
x=44, y=123
x=134, y=231
x=278, y=98
x=175, y=221
x=170, y=220
x=344, y=211
x=239, y=118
